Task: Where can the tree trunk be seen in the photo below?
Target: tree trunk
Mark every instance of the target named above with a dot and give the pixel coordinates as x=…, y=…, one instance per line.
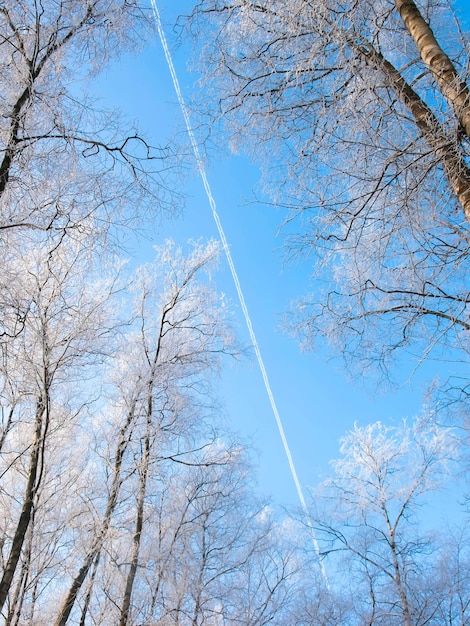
x=447, y=152
x=145, y=462
x=399, y=584
x=34, y=478
x=86, y=604
x=138, y=527
x=452, y=87
x=95, y=549
x=19, y=594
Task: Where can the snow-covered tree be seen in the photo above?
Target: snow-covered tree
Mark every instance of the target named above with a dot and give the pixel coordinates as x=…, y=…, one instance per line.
x=368, y=523
x=359, y=111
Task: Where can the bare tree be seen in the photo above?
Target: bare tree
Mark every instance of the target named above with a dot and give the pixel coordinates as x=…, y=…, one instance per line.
x=120, y=502
x=62, y=159
x=55, y=512
x=179, y=337
x=359, y=111
x=62, y=339
x=369, y=519
x=226, y=559
x=453, y=577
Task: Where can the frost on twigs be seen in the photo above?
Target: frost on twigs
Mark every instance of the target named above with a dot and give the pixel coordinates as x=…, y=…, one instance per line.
x=362, y=136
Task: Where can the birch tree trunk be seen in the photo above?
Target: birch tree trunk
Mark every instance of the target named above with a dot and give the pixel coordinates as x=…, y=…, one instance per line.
x=32, y=485
x=452, y=87
x=139, y=521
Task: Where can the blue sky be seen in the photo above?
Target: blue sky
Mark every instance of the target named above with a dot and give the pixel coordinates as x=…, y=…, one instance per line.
x=317, y=401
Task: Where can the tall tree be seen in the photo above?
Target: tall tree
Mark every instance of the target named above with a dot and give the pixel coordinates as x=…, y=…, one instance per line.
x=367, y=518
x=360, y=112
x=63, y=333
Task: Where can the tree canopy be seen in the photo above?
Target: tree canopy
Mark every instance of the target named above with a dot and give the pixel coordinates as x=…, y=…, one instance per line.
x=359, y=113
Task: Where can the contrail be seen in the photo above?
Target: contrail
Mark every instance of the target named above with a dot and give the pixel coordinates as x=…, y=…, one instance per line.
x=254, y=341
